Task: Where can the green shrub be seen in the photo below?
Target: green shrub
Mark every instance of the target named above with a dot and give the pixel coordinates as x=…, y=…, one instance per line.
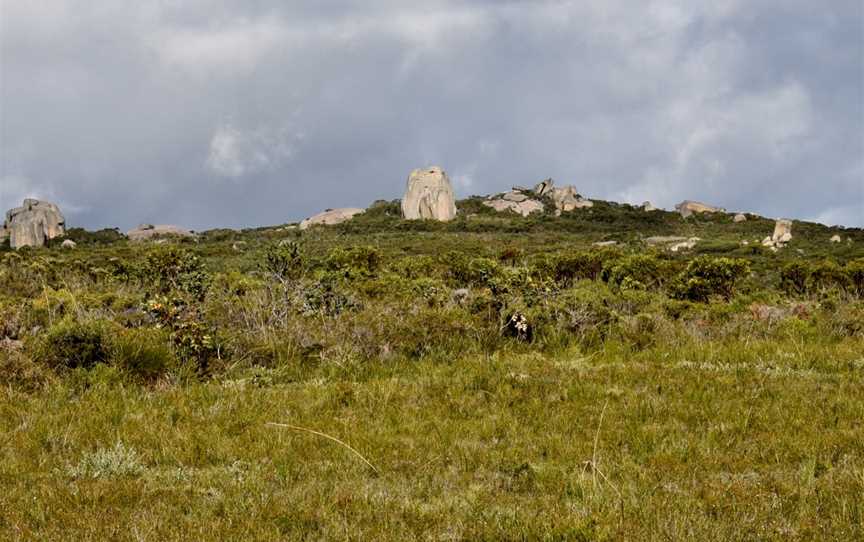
x=354, y=262
x=636, y=272
x=578, y=266
x=284, y=261
x=173, y=268
x=144, y=353
x=193, y=339
x=793, y=277
x=706, y=277
x=72, y=344
x=827, y=275
x=855, y=272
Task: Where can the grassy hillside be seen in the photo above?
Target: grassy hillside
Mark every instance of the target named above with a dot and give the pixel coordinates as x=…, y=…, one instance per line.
x=491, y=378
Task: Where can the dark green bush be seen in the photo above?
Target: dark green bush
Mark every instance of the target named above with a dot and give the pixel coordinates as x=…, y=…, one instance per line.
x=173, y=268
x=793, y=277
x=855, y=272
x=144, y=353
x=706, y=277
x=827, y=275
x=568, y=268
x=71, y=344
x=635, y=272
x=355, y=262
x=284, y=261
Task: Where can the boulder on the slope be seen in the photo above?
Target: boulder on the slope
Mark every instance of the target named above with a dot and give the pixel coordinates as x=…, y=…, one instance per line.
x=32, y=224
x=688, y=207
x=145, y=232
x=429, y=195
x=331, y=217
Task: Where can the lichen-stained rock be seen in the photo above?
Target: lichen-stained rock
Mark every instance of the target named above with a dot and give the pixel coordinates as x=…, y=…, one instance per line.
x=331, y=217
x=512, y=202
x=145, y=232
x=429, y=195
x=688, y=207
x=567, y=199
x=33, y=223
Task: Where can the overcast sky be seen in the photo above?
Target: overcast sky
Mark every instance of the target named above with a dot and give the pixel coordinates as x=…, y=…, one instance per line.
x=216, y=113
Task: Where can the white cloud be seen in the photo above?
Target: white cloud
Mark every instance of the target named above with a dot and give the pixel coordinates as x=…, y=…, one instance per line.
x=236, y=154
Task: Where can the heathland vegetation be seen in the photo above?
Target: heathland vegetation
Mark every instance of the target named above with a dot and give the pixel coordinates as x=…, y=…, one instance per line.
x=495, y=377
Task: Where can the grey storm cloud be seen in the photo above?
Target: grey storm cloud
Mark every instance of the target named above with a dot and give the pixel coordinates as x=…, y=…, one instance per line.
x=214, y=113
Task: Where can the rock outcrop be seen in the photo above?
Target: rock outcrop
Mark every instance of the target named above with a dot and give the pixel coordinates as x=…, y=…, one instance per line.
x=429, y=195
x=145, y=232
x=688, y=207
x=32, y=224
x=647, y=207
x=740, y=217
x=565, y=198
x=835, y=238
x=331, y=217
x=516, y=201
x=782, y=235
x=68, y=243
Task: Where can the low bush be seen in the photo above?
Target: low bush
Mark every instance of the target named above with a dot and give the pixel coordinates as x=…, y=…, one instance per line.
x=73, y=343
x=176, y=269
x=635, y=272
x=827, y=275
x=707, y=277
x=143, y=353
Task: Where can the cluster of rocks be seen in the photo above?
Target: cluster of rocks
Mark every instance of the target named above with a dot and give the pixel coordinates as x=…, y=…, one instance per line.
x=565, y=198
x=516, y=201
x=32, y=224
x=428, y=196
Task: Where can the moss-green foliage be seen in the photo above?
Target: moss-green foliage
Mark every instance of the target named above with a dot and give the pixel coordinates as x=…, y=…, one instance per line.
x=143, y=352
x=636, y=272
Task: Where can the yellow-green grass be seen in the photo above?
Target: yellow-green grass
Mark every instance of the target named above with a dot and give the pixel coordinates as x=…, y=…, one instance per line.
x=734, y=440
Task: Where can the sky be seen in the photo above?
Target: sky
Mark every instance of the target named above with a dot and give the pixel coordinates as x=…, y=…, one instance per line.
x=216, y=113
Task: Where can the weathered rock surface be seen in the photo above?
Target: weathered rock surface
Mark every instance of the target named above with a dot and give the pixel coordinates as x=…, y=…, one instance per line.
x=146, y=232
x=331, y=217
x=664, y=239
x=429, y=195
x=566, y=198
x=647, y=207
x=604, y=243
x=544, y=187
x=32, y=224
x=68, y=243
x=835, y=238
x=782, y=235
x=688, y=207
x=740, y=217
x=516, y=201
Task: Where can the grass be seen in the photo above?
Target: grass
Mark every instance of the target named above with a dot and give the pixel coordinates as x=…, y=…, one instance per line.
x=744, y=441
x=339, y=389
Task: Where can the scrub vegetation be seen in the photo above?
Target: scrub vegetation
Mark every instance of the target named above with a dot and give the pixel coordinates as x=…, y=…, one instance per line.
x=491, y=378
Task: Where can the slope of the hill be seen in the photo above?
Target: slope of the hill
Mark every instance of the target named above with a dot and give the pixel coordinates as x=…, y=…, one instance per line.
x=490, y=378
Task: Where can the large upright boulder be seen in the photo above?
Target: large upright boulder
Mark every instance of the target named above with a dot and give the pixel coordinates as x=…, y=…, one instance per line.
x=688, y=207
x=429, y=195
x=33, y=223
x=331, y=217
